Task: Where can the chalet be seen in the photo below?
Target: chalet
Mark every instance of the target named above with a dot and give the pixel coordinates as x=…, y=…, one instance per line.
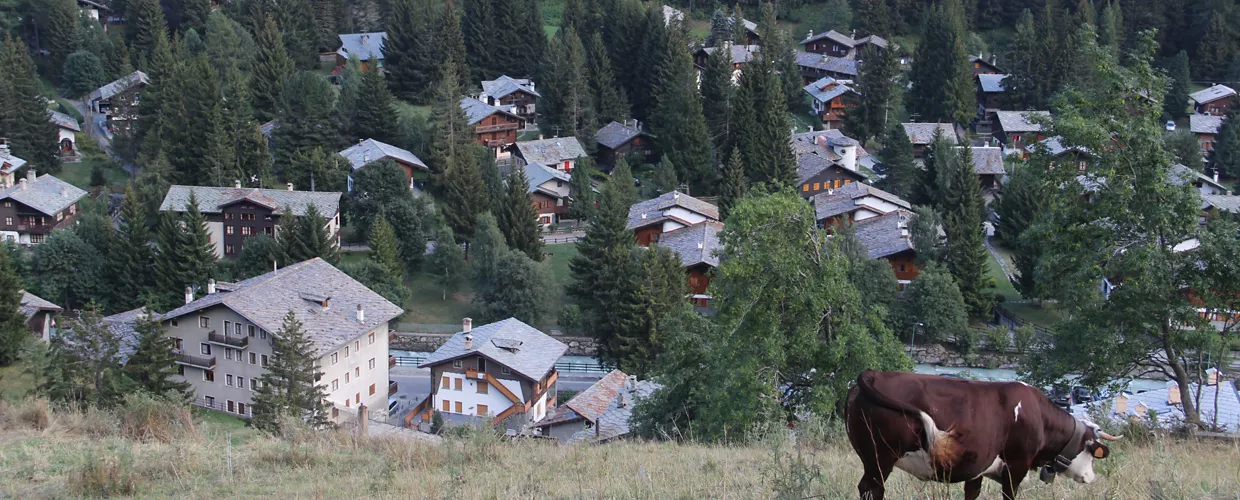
x=1206, y=128
x=1062, y=154
x=598, y=414
x=560, y=153
x=1204, y=184
x=623, y=140
x=752, y=37
x=35, y=206
x=830, y=100
x=514, y=95
x=40, y=315
x=650, y=219
x=887, y=237
x=236, y=213
x=9, y=165
x=346, y=322
x=366, y=47
x=1215, y=100
x=1216, y=399
x=921, y=136
x=989, y=94
x=118, y=101
x=1017, y=128
x=698, y=247
x=502, y=373
x=814, y=67
x=827, y=161
x=740, y=54
x=66, y=129
x=368, y=151
x=494, y=127
x=92, y=8
x=981, y=66
x=988, y=165
x=836, y=44
x=549, y=192
x=1214, y=204
x=854, y=202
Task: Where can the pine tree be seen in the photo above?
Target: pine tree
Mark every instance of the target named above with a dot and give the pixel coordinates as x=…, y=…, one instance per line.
x=1218, y=44
x=307, y=122
x=880, y=92
x=1111, y=26
x=13, y=331
x=1026, y=65
x=169, y=278
x=942, y=85
x=131, y=257
x=567, y=105
x=374, y=110
x=874, y=18
x=463, y=201
x=384, y=248
x=82, y=73
x=1175, y=104
x=23, y=110
x=605, y=248
x=678, y=121
x=328, y=17
x=717, y=94
x=665, y=176
x=657, y=290
x=146, y=142
x=450, y=45
x=153, y=365
x=1225, y=158
x=289, y=237
x=518, y=219
x=60, y=37
x=963, y=214
x=447, y=261
x=762, y=126
x=900, y=175
x=145, y=24
x=622, y=182
x=487, y=247
x=581, y=192
x=272, y=68
x=453, y=136
x=519, y=290
x=478, y=27
x=408, y=55
x=610, y=103
x=290, y=388
x=200, y=155
x=196, y=248
x=313, y=238
x=735, y=184
x=296, y=23
x=1024, y=197
x=116, y=58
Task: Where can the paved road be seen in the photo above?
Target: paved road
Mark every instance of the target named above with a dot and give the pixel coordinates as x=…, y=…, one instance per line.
x=414, y=384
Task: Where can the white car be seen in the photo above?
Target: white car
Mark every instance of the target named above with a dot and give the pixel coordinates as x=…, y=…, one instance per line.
x=1170, y=126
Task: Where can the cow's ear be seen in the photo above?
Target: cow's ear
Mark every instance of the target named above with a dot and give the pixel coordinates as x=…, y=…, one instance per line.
x=1101, y=451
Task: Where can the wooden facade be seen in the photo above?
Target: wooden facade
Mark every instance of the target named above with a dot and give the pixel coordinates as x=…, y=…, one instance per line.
x=639, y=145
x=549, y=208
x=1217, y=107
x=699, y=280
x=497, y=130
x=905, y=266
x=16, y=217
x=243, y=220
x=832, y=177
x=833, y=112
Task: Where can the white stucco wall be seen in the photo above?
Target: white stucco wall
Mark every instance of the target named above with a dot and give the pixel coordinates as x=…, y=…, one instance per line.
x=350, y=377
x=470, y=399
x=216, y=231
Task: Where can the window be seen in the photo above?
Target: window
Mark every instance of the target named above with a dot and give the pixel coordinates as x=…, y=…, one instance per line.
x=357, y=372
x=264, y=358
x=176, y=323
x=446, y=383
x=901, y=267
x=60, y=216
x=335, y=358
x=805, y=188
x=229, y=230
x=8, y=221
x=204, y=322
x=371, y=337
x=253, y=385
x=346, y=351
x=483, y=410
x=253, y=358
x=335, y=384
x=372, y=389
x=227, y=327
x=458, y=384
x=445, y=405
x=346, y=377
x=247, y=230
x=181, y=370
x=177, y=343
x=458, y=407
x=483, y=387
x=372, y=363
x=241, y=408
x=208, y=375
x=228, y=353
x=36, y=238
x=228, y=380
x=241, y=382
x=816, y=186
x=8, y=204
x=262, y=334
x=237, y=330
x=210, y=402
x=505, y=370
x=482, y=364
x=456, y=363
x=357, y=345
x=231, y=407
x=357, y=398
x=205, y=349
x=251, y=327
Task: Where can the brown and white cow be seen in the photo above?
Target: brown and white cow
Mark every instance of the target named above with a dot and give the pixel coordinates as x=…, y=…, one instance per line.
x=948, y=430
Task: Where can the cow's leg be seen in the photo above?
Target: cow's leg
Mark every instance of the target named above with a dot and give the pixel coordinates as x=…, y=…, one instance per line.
x=1012, y=477
x=972, y=489
x=872, y=485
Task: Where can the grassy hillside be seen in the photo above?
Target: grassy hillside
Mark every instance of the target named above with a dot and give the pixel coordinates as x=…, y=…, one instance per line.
x=66, y=454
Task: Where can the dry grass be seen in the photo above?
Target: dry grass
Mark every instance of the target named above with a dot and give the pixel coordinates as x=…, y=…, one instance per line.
x=85, y=454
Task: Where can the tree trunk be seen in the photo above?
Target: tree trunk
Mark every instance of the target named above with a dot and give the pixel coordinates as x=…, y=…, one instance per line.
x=1181, y=379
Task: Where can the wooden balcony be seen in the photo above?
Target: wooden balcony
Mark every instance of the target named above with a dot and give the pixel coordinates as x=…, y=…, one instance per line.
x=495, y=128
x=391, y=388
x=495, y=143
x=473, y=374
x=226, y=341
x=196, y=361
x=391, y=362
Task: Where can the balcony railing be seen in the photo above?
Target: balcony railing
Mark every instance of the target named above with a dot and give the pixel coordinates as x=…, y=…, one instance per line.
x=495, y=128
x=196, y=361
x=495, y=143
x=225, y=340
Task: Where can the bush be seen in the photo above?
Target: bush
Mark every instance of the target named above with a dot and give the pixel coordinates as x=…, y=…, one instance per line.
x=83, y=72
x=1023, y=338
x=570, y=317
x=108, y=476
x=146, y=418
x=997, y=338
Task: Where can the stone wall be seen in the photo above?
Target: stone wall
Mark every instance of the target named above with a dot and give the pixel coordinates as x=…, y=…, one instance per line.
x=428, y=342
x=936, y=354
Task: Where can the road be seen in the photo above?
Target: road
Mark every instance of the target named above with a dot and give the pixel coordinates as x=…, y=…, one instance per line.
x=414, y=384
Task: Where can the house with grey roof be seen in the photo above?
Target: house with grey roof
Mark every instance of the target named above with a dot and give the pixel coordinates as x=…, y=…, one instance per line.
x=40, y=314
x=1204, y=184
x=223, y=338
x=921, y=136
x=35, y=206
x=494, y=126
x=366, y=47
x=235, y=214
x=368, y=151
x=118, y=101
x=514, y=95
x=988, y=165
x=1015, y=129
x=1206, y=128
x=738, y=56
x=982, y=66
x=831, y=99
x=887, y=237
x=671, y=14
x=9, y=165
x=600, y=413
x=560, y=153
x=854, y=202
x=502, y=374
x=816, y=66
x=549, y=192
x=990, y=92
x=698, y=248
x=1214, y=204
x=66, y=129
x=1216, y=400
x=623, y=140
x=1215, y=100
x=649, y=219
x=827, y=160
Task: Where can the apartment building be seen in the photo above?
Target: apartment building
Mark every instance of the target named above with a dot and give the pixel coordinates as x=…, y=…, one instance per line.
x=223, y=340
x=235, y=214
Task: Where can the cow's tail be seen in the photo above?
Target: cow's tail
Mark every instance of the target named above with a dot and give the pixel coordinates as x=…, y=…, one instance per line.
x=867, y=388
x=941, y=444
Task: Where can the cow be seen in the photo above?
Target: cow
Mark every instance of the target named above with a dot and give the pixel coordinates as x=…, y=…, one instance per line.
x=947, y=430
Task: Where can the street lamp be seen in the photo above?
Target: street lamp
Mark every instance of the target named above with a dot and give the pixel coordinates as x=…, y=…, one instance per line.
x=913, y=341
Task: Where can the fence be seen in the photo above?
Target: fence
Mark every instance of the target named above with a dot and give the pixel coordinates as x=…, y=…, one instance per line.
x=562, y=366
x=560, y=240
x=1009, y=320
x=212, y=404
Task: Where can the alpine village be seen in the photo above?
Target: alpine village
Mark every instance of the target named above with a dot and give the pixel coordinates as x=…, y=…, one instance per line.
x=620, y=249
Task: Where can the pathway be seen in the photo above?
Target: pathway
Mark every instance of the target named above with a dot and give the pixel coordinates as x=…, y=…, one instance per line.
x=999, y=258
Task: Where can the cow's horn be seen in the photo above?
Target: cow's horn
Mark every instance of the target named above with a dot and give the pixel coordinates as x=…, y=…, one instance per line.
x=1107, y=437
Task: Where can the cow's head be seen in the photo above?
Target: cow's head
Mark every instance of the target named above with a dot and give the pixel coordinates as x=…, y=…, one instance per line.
x=1090, y=447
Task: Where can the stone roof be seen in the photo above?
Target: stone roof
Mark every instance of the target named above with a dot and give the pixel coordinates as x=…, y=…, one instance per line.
x=64, y=121
x=988, y=160
x=32, y=304
x=991, y=82
x=1170, y=415
x=1019, y=121
x=369, y=151
x=827, y=63
x=923, y=133
x=265, y=300
x=741, y=54
x=46, y=193
x=593, y=402
x=1181, y=175
x=873, y=40
x=1212, y=94
x=827, y=88
x=615, y=134
x=8, y=162
x=120, y=85
x=124, y=326
x=644, y=213
x=476, y=111
x=803, y=142
x=212, y=200
x=835, y=36
x=537, y=174
x=672, y=13
x=1054, y=146
x=615, y=421
x=696, y=244
x=608, y=404
x=504, y=85
x=268, y=128
x=844, y=200
x=1224, y=202
x=551, y=151
x=362, y=45
x=886, y=234
x=510, y=342
x=1205, y=124
x=811, y=163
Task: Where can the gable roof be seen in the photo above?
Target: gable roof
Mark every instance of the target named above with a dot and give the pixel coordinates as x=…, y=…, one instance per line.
x=369, y=151
x=362, y=45
x=608, y=404
x=844, y=199
x=1204, y=124
x=975, y=59
x=212, y=200
x=740, y=54
x=827, y=88
x=696, y=244
x=672, y=13
x=32, y=304
x=476, y=111
x=615, y=134
x=1224, y=202
x=1181, y=175
x=537, y=174
x=504, y=85
x=120, y=85
x=646, y=212
x=46, y=194
x=873, y=40
x=124, y=326
x=1055, y=146
x=64, y=121
x=885, y=235
x=593, y=402
x=991, y=82
x=923, y=133
x=510, y=342
x=265, y=300
x=550, y=151
x=833, y=35
x=1019, y=121
x=1212, y=94
x=987, y=160
x=8, y=162
x=827, y=63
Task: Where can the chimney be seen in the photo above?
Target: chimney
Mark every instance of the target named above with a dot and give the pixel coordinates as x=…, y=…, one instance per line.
x=1121, y=404
x=237, y=183
x=24, y=183
x=675, y=195
x=1212, y=376
x=1216, y=175
x=31, y=174
x=631, y=383
x=540, y=136
x=467, y=325
x=1141, y=409
x=1173, y=393
x=816, y=139
x=361, y=142
x=64, y=192
x=361, y=314
x=469, y=342
x=848, y=156
x=211, y=286
x=810, y=35
x=699, y=245
x=289, y=186
x=189, y=295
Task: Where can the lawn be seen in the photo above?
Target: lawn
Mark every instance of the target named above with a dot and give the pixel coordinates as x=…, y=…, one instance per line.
x=408, y=110
x=78, y=173
x=1001, y=284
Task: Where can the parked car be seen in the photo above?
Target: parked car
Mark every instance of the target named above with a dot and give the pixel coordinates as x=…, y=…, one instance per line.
x=1065, y=396
x=1170, y=126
